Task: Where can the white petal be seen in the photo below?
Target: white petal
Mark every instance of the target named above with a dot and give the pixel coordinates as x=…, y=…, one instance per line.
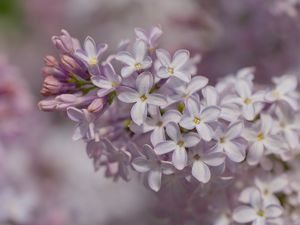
x=180, y=58
x=243, y=89
x=141, y=34
x=164, y=147
x=234, y=130
x=154, y=180
x=234, y=153
x=173, y=132
x=193, y=106
x=279, y=183
x=104, y=92
x=163, y=73
x=255, y=153
x=144, y=83
x=140, y=50
x=273, y=211
x=210, y=95
x=126, y=58
x=213, y=159
x=291, y=101
x=259, y=221
x=90, y=47
x=164, y=57
x=245, y=195
x=256, y=200
x=141, y=165
x=191, y=139
x=185, y=76
x=187, y=122
x=204, y=131
x=126, y=71
x=157, y=136
x=210, y=113
x=248, y=112
x=101, y=82
x=244, y=214
x=171, y=116
x=266, y=123
x=127, y=95
x=139, y=112
x=146, y=63
x=292, y=138
x=157, y=99
x=197, y=83
x=201, y=171
x=75, y=114
x=82, y=56
x=167, y=168
x=179, y=158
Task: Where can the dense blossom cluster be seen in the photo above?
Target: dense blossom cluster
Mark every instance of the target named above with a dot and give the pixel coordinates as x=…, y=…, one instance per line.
x=231, y=148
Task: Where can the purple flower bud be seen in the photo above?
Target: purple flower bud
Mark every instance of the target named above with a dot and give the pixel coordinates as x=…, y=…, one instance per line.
x=69, y=63
x=97, y=105
x=50, y=60
x=47, y=105
x=64, y=42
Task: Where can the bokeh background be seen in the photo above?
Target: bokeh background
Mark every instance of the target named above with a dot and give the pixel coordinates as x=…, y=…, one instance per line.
x=51, y=170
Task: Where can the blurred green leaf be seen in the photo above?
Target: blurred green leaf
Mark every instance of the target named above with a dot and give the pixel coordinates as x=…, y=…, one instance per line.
x=11, y=12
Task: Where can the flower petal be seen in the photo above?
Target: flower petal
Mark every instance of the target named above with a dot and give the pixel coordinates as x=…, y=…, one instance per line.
x=141, y=165
x=126, y=71
x=127, y=95
x=197, y=83
x=234, y=153
x=179, y=158
x=139, y=50
x=157, y=99
x=213, y=159
x=164, y=147
x=201, y=171
x=154, y=179
x=164, y=57
x=210, y=113
x=173, y=132
x=204, y=131
x=90, y=47
x=126, y=58
x=144, y=83
x=243, y=89
x=101, y=82
x=157, y=135
x=75, y=114
x=273, y=211
x=171, y=116
x=180, y=58
x=193, y=106
x=255, y=154
x=191, y=139
x=244, y=214
x=234, y=130
x=210, y=95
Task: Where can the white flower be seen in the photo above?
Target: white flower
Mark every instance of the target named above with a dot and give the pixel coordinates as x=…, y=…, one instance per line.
x=261, y=140
x=173, y=67
x=284, y=91
x=108, y=81
x=151, y=37
x=248, y=101
x=258, y=212
x=135, y=62
x=195, y=117
x=157, y=123
x=201, y=160
x=227, y=142
x=141, y=97
x=153, y=166
x=178, y=145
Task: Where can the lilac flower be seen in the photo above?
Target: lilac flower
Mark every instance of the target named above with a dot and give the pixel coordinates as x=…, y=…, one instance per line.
x=91, y=53
x=201, y=160
x=261, y=140
x=153, y=166
x=284, y=91
x=258, y=212
x=246, y=99
x=227, y=142
x=108, y=82
x=65, y=42
x=177, y=145
x=157, y=123
x=142, y=97
x=136, y=62
x=85, y=123
x=198, y=118
x=173, y=67
x=185, y=90
x=151, y=38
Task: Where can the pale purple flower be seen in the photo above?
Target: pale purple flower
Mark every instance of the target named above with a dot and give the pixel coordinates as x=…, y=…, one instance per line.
x=197, y=117
x=65, y=42
x=284, y=91
x=201, y=160
x=228, y=142
x=136, y=62
x=177, y=145
x=185, y=90
x=257, y=213
x=261, y=140
x=158, y=122
x=91, y=53
x=108, y=81
x=85, y=123
x=153, y=166
x=173, y=67
x=141, y=97
x=246, y=99
x=151, y=37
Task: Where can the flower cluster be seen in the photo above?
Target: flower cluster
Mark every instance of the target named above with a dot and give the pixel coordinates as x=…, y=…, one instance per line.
x=145, y=109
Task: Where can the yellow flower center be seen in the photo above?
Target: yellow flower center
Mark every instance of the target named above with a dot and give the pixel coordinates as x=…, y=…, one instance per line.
x=143, y=98
x=260, y=137
x=93, y=61
x=261, y=213
x=276, y=94
x=138, y=66
x=222, y=140
x=247, y=101
x=197, y=120
x=180, y=143
x=170, y=71
x=196, y=157
x=160, y=124
x=114, y=84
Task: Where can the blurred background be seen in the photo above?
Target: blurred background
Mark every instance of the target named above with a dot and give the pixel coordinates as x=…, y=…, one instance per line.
x=44, y=174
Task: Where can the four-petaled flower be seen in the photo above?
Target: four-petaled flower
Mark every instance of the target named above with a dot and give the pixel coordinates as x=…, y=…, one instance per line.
x=136, y=62
x=196, y=117
x=178, y=145
x=141, y=97
x=153, y=166
x=151, y=38
x=175, y=67
x=107, y=82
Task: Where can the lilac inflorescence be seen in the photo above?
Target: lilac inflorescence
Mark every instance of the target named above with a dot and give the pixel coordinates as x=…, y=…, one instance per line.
x=145, y=109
